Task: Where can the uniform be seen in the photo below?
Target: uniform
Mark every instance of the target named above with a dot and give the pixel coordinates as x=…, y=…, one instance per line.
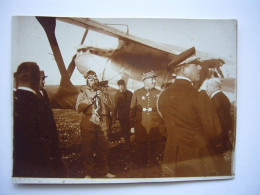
x=146, y=122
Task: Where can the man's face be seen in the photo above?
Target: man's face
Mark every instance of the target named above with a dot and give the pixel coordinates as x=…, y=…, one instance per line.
x=122, y=88
x=150, y=82
x=92, y=80
x=192, y=71
x=42, y=82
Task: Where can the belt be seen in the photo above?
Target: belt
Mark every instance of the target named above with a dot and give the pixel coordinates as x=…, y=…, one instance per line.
x=148, y=109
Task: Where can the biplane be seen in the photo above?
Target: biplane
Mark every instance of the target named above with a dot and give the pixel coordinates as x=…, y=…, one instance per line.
x=132, y=56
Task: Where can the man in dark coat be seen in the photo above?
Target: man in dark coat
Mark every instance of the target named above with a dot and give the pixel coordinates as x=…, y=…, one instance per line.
x=146, y=123
x=122, y=109
x=51, y=128
x=190, y=121
x=32, y=140
x=221, y=144
x=222, y=106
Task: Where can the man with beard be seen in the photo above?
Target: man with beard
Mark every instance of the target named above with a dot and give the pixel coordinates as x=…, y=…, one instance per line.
x=191, y=122
x=146, y=123
x=94, y=103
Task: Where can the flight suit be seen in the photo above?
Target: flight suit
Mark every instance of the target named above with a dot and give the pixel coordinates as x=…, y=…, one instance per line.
x=94, y=128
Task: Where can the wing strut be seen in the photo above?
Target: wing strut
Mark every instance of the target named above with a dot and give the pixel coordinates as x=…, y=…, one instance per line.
x=49, y=24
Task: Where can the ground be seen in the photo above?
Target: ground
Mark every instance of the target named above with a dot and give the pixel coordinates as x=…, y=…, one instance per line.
x=120, y=156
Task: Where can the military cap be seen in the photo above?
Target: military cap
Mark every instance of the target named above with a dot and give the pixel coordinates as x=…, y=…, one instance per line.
x=148, y=75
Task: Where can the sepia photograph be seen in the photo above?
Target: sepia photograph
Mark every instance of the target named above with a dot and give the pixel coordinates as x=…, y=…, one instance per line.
x=123, y=100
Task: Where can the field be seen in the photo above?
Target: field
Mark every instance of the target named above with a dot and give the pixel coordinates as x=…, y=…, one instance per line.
x=120, y=156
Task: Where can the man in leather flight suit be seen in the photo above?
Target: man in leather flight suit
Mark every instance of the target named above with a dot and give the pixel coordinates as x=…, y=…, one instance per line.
x=95, y=105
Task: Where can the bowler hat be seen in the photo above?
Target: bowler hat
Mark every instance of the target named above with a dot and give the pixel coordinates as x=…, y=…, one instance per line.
x=42, y=74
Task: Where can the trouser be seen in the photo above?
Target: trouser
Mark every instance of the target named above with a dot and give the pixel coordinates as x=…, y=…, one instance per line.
x=125, y=129
x=95, y=152
x=148, y=156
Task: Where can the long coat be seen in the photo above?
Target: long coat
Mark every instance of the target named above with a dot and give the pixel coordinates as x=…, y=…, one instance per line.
x=222, y=107
x=34, y=138
x=190, y=121
x=144, y=115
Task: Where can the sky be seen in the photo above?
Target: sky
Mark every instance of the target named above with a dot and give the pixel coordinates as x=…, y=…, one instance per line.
x=215, y=38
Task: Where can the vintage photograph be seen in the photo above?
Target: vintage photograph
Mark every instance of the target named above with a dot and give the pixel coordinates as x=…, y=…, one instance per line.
x=123, y=100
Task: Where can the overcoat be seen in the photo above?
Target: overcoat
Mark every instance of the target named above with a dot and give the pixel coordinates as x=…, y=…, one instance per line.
x=34, y=138
x=191, y=122
x=222, y=107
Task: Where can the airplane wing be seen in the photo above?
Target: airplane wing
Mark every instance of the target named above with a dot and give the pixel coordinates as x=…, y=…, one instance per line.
x=132, y=57
x=130, y=43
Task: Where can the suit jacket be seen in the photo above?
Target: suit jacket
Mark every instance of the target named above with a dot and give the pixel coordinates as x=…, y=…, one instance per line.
x=122, y=105
x=191, y=121
x=144, y=115
x=222, y=107
x=34, y=138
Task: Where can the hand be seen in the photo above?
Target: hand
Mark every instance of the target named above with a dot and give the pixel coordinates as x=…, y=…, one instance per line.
x=132, y=130
x=98, y=93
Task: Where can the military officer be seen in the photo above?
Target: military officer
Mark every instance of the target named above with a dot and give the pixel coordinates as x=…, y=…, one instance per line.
x=146, y=122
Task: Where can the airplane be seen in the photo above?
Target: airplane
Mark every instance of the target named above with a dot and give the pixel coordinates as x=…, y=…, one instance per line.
x=133, y=56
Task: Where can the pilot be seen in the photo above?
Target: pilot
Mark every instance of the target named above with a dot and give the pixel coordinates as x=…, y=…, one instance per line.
x=94, y=103
x=146, y=122
x=122, y=109
x=191, y=121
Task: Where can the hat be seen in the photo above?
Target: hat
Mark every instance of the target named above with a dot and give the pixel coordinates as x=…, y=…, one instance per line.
x=148, y=75
x=121, y=82
x=42, y=74
x=191, y=60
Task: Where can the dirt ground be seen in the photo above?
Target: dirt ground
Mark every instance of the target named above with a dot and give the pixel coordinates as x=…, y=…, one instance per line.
x=120, y=157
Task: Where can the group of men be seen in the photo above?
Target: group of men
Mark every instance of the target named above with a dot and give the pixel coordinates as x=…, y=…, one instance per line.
x=178, y=132
x=189, y=128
